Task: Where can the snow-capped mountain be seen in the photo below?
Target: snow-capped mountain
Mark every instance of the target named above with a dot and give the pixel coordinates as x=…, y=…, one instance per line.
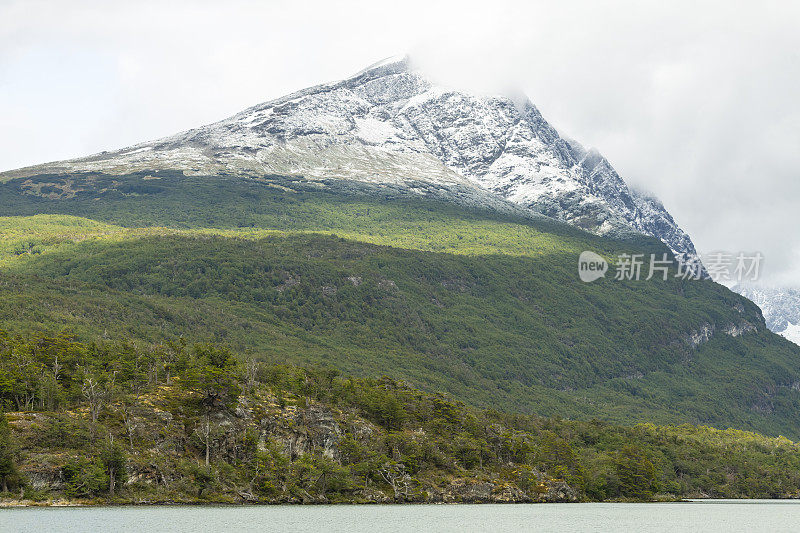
x=780, y=306
x=390, y=124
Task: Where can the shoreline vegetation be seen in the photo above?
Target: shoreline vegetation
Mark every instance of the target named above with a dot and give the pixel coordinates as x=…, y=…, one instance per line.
x=62, y=503
x=118, y=423
x=10, y=503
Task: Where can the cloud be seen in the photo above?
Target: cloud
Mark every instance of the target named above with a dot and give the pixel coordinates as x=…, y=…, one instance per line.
x=695, y=102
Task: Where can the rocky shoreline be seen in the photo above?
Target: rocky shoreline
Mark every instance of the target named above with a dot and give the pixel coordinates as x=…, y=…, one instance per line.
x=457, y=493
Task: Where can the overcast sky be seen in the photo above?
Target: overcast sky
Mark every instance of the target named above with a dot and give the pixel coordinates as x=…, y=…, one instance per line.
x=698, y=103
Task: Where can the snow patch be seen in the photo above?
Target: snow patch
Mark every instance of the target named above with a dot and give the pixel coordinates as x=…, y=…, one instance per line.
x=792, y=332
x=374, y=131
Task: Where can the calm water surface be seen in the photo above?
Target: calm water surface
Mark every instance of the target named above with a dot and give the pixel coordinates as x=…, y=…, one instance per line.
x=709, y=515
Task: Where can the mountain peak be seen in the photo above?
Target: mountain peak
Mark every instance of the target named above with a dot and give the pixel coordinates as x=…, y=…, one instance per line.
x=389, y=124
x=392, y=64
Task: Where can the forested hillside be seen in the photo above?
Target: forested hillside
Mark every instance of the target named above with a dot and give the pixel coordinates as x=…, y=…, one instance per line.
x=117, y=422
x=481, y=305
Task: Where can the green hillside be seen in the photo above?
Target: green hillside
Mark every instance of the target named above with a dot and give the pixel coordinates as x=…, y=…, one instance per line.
x=115, y=423
x=486, y=307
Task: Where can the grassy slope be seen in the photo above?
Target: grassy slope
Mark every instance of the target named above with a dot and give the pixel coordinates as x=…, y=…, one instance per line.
x=499, y=319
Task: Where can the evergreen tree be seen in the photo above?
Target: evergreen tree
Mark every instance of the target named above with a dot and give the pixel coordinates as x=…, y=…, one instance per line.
x=8, y=469
x=636, y=473
x=114, y=461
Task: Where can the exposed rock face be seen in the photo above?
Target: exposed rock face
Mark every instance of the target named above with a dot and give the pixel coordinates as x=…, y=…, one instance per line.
x=736, y=330
x=700, y=336
x=46, y=477
x=707, y=331
x=303, y=431
x=390, y=125
x=489, y=492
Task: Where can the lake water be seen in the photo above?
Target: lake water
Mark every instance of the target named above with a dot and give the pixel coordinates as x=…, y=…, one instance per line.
x=708, y=515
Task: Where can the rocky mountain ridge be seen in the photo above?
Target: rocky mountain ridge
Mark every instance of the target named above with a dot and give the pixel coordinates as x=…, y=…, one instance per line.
x=390, y=125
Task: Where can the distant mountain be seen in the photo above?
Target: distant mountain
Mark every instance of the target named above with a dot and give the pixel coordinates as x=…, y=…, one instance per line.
x=780, y=305
x=390, y=125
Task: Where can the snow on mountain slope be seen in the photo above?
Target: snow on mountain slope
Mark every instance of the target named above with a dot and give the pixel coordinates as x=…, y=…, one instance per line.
x=390, y=124
x=792, y=332
x=780, y=305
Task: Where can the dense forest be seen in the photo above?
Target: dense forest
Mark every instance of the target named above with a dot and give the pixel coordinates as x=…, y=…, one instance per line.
x=520, y=333
x=178, y=339
x=180, y=422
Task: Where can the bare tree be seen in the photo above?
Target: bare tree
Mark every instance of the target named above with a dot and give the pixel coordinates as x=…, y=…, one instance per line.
x=251, y=372
x=112, y=474
x=396, y=476
x=97, y=392
x=56, y=368
x=154, y=362
x=204, y=432
x=95, y=395
x=129, y=421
